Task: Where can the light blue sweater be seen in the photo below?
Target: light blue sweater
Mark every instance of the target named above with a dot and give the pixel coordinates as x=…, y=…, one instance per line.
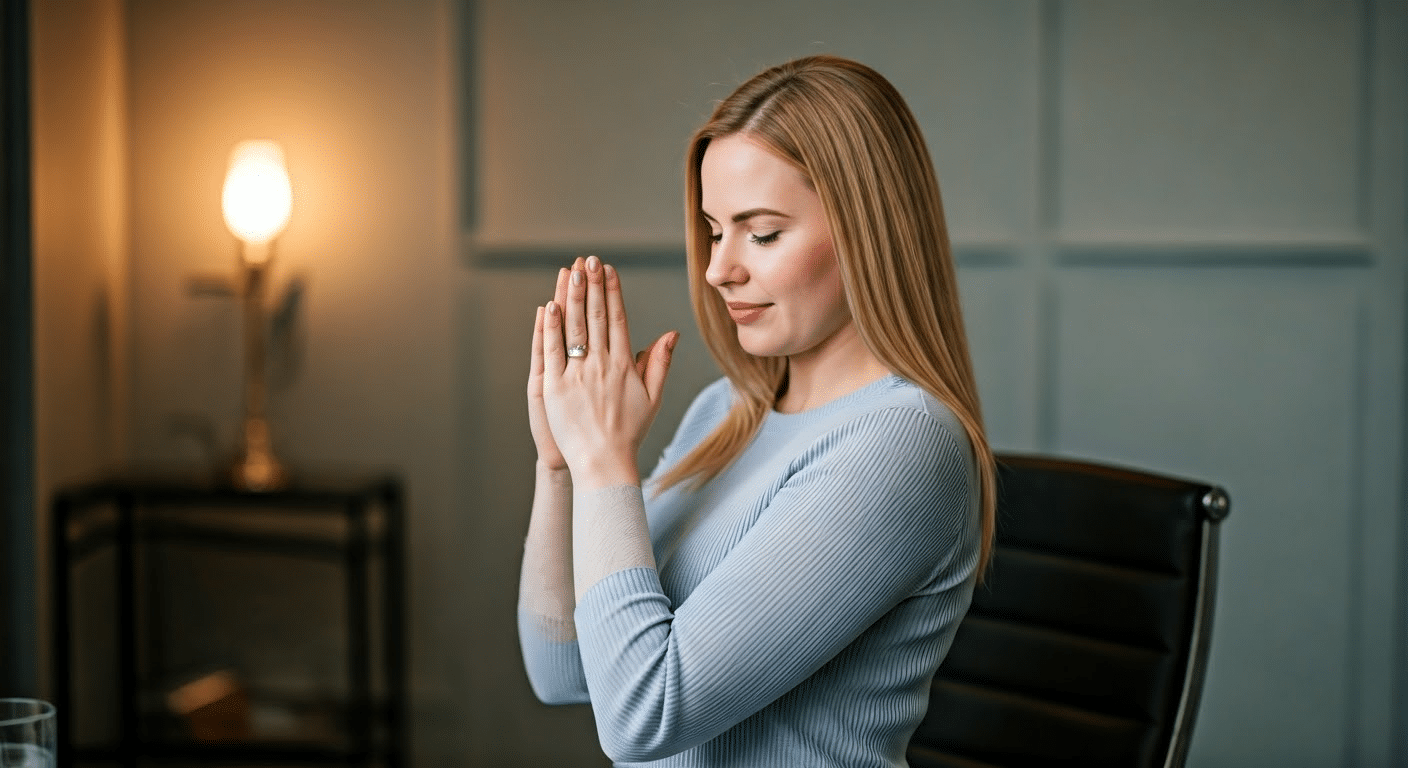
x=803, y=598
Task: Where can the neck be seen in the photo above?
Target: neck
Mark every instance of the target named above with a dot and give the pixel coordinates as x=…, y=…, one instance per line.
x=835, y=368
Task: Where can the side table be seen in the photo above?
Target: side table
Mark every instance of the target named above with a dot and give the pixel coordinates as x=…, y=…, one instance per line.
x=354, y=524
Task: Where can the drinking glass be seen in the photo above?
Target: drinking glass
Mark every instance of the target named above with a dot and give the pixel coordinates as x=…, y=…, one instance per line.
x=27, y=733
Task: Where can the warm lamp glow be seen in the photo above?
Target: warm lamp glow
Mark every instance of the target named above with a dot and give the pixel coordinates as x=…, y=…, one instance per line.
x=257, y=197
x=256, y=200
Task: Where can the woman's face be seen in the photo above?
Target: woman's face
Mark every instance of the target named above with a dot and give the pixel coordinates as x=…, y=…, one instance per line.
x=771, y=258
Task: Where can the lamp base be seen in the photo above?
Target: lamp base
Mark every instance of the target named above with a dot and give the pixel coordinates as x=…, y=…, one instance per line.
x=257, y=469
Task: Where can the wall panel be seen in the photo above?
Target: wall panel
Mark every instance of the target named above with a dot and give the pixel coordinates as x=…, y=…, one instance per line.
x=1249, y=377
x=1210, y=120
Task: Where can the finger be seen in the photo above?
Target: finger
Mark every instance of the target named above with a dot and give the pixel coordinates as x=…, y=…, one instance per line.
x=535, y=358
x=559, y=292
x=642, y=357
x=658, y=365
x=597, y=337
x=554, y=355
x=563, y=276
x=618, y=330
x=574, y=311
x=564, y=279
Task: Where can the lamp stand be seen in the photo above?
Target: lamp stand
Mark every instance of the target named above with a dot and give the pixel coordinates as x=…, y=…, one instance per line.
x=256, y=468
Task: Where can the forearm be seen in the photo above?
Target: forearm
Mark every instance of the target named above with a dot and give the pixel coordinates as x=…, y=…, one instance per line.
x=609, y=534
x=546, y=630
x=545, y=585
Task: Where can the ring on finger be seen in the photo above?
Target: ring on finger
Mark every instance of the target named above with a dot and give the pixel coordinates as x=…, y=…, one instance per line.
x=577, y=350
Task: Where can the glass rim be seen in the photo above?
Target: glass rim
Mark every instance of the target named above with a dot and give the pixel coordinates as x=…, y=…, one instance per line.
x=45, y=710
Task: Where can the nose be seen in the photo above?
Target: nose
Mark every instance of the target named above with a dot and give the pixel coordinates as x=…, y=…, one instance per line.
x=724, y=266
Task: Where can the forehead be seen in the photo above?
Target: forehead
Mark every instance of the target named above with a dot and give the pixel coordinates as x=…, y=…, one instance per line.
x=738, y=173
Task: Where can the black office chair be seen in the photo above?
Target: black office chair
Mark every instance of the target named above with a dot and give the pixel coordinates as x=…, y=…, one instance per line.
x=1087, y=644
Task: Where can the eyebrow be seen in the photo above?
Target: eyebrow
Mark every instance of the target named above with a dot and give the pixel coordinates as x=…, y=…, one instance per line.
x=750, y=213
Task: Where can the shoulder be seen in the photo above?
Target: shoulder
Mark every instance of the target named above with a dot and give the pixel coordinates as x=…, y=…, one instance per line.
x=898, y=453
x=906, y=406
x=890, y=412
x=892, y=432
x=924, y=428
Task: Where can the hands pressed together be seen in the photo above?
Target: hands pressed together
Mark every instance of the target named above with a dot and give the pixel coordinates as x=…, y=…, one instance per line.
x=590, y=410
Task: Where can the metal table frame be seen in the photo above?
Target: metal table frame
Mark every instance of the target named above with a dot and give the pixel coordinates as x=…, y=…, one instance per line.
x=353, y=498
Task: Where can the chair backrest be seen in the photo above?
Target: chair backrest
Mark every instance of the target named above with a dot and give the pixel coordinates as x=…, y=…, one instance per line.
x=1088, y=641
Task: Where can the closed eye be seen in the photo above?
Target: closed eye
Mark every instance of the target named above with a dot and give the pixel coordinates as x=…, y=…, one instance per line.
x=767, y=239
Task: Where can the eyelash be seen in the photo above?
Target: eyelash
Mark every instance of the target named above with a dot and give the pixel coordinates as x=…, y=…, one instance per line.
x=767, y=239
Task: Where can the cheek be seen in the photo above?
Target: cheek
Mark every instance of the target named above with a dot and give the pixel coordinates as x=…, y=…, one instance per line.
x=821, y=278
x=810, y=268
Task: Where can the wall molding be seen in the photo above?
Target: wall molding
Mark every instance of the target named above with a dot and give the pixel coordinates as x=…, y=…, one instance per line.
x=1263, y=255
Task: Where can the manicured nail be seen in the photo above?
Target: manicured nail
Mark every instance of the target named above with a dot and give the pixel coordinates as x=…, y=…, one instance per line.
x=576, y=277
x=610, y=271
x=593, y=263
x=552, y=308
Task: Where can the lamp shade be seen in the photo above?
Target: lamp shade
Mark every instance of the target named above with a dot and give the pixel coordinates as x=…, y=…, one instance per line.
x=257, y=197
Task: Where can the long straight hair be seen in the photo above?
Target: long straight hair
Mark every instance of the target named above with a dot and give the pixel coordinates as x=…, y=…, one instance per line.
x=852, y=136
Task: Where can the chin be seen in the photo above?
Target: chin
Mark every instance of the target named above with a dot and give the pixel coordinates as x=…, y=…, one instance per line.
x=763, y=347
x=755, y=347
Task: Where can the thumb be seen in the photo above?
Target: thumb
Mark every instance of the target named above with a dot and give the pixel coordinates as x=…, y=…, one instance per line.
x=657, y=364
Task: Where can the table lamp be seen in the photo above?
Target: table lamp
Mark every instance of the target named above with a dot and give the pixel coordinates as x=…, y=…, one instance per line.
x=256, y=200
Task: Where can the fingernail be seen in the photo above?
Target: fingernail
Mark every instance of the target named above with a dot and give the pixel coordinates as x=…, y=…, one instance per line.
x=576, y=277
x=670, y=344
x=610, y=271
x=593, y=263
x=552, y=308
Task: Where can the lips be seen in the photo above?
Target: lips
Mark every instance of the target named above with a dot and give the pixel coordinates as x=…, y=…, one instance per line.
x=744, y=312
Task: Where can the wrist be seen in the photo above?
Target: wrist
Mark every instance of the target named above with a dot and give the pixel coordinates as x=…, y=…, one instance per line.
x=554, y=474
x=597, y=472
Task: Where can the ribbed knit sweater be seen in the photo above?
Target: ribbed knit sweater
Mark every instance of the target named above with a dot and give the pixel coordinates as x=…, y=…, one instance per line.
x=801, y=600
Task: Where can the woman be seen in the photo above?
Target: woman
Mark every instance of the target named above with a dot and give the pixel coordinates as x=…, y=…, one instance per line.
x=810, y=539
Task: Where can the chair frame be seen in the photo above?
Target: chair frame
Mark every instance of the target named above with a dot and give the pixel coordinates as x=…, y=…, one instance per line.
x=1215, y=508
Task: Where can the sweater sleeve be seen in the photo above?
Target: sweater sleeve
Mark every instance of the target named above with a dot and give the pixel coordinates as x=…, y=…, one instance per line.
x=549, y=646
x=553, y=662
x=873, y=512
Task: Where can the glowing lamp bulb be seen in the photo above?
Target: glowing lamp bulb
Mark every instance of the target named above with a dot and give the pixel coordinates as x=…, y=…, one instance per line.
x=257, y=197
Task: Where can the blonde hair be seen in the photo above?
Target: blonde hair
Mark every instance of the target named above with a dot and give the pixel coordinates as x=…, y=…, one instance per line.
x=850, y=133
